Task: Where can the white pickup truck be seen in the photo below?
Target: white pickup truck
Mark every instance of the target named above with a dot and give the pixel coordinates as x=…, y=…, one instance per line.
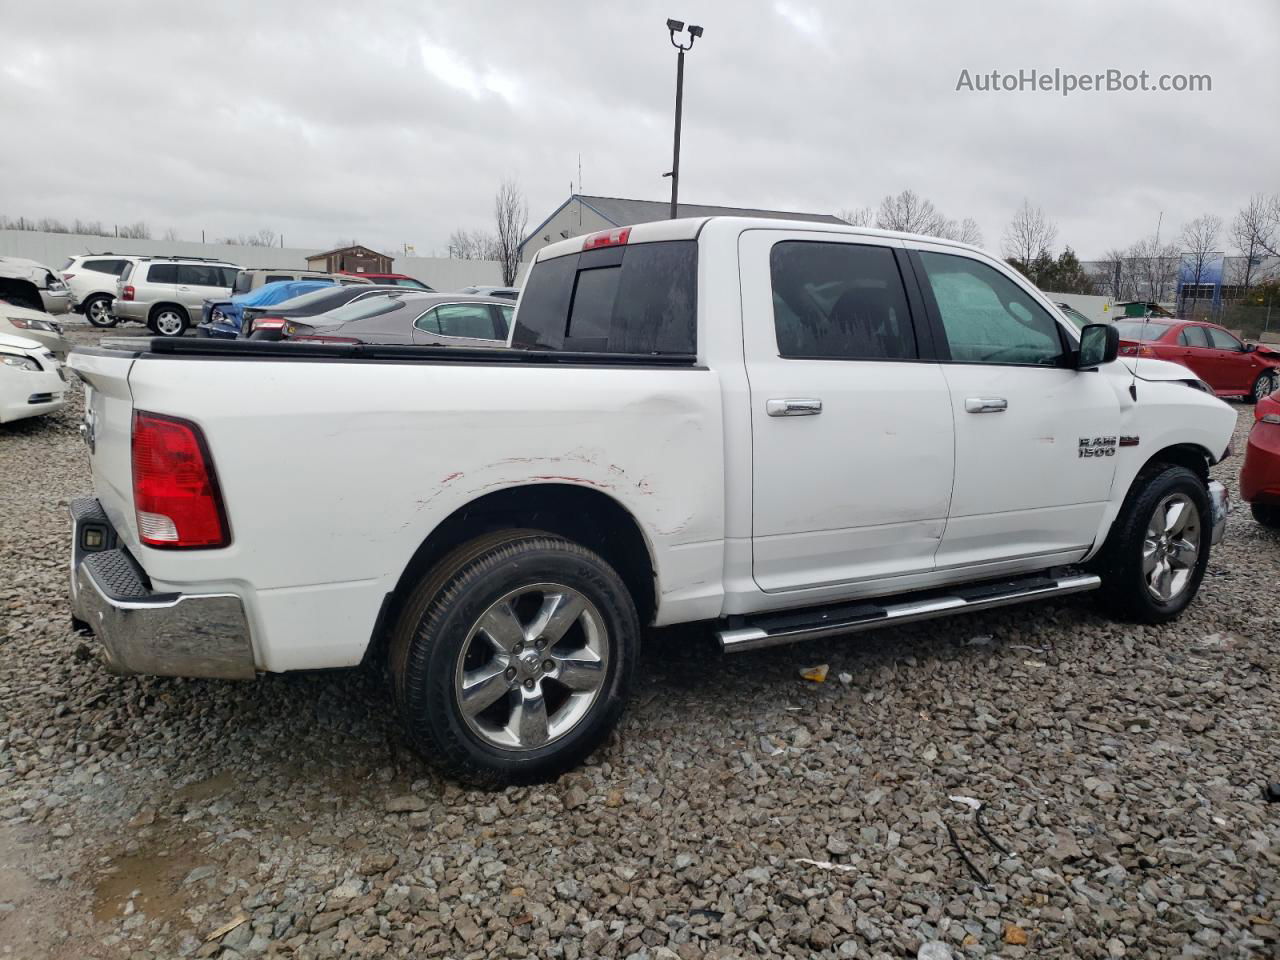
x=783, y=429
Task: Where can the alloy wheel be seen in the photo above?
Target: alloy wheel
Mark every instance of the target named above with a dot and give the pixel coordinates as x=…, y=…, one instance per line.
x=1171, y=547
x=100, y=312
x=168, y=323
x=532, y=666
x=1265, y=386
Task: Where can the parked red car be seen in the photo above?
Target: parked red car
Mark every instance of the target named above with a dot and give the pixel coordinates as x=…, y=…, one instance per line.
x=392, y=280
x=1214, y=354
x=1260, y=478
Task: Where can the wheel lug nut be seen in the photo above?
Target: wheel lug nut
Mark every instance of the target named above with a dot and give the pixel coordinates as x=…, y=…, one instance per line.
x=517, y=648
x=548, y=665
x=528, y=684
x=540, y=644
x=511, y=673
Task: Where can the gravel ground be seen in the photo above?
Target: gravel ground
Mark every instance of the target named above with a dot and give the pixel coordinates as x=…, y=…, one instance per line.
x=739, y=810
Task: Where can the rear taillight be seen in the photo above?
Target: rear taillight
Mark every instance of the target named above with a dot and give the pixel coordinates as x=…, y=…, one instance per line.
x=268, y=323
x=67, y=276
x=127, y=293
x=1145, y=351
x=607, y=238
x=175, y=491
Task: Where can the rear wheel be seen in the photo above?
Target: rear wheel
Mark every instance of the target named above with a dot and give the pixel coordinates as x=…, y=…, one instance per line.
x=168, y=321
x=1155, y=556
x=97, y=310
x=512, y=659
x=1267, y=514
x=1266, y=384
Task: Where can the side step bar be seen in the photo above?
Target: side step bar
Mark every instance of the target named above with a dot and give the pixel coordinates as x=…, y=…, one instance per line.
x=771, y=630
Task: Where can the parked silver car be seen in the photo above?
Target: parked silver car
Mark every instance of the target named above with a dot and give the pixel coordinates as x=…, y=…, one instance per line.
x=165, y=293
x=440, y=319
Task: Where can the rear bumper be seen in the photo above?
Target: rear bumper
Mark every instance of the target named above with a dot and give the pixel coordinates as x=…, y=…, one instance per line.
x=1219, y=510
x=129, y=310
x=144, y=632
x=56, y=301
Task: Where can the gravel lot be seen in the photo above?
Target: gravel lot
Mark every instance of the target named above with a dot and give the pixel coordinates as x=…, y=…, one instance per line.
x=739, y=811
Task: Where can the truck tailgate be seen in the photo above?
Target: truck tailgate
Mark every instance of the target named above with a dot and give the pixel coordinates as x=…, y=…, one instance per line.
x=107, y=431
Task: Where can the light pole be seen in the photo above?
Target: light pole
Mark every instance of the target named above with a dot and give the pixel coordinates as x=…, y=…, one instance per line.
x=677, y=26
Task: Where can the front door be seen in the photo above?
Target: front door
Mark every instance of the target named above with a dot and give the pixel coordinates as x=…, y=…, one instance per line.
x=851, y=430
x=1036, y=439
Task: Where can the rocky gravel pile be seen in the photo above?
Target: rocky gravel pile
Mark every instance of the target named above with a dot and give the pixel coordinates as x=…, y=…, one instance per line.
x=1035, y=782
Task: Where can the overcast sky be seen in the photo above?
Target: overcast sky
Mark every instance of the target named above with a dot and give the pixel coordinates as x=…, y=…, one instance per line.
x=393, y=122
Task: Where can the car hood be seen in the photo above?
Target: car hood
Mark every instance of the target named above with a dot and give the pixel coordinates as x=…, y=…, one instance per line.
x=20, y=267
x=1157, y=370
x=19, y=343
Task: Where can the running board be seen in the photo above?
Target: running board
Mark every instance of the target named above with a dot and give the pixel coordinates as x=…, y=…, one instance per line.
x=769, y=630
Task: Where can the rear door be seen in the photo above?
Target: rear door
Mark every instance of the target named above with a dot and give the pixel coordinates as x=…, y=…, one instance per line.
x=1233, y=367
x=1035, y=439
x=852, y=439
x=198, y=282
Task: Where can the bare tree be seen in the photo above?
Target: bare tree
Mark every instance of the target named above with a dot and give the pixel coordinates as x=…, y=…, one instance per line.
x=862, y=217
x=511, y=217
x=909, y=212
x=1116, y=275
x=966, y=231
x=1199, y=238
x=473, y=245
x=1029, y=239
x=51, y=225
x=1253, y=233
x=170, y=234
x=135, y=231
x=1155, y=267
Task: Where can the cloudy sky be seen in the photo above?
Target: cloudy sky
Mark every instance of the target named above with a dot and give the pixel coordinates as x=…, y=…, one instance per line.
x=393, y=122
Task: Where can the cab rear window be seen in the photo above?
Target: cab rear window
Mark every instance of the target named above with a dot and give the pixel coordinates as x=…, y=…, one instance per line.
x=638, y=299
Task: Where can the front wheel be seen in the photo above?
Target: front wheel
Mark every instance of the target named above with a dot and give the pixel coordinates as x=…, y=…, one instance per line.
x=1267, y=514
x=512, y=659
x=1155, y=556
x=1266, y=384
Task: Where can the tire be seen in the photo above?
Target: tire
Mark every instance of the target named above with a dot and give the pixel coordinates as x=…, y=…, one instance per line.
x=167, y=320
x=1127, y=590
x=440, y=648
x=1267, y=514
x=1266, y=384
x=97, y=310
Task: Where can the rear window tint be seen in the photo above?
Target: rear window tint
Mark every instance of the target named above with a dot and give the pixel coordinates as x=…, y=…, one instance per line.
x=162, y=273
x=639, y=298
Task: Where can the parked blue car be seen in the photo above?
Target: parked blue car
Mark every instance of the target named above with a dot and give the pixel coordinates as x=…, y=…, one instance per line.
x=222, y=318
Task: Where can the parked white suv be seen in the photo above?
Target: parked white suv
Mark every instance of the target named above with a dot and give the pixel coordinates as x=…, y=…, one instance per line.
x=92, y=280
x=166, y=292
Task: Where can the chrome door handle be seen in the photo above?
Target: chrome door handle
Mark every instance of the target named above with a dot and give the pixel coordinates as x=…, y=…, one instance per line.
x=793, y=408
x=986, y=405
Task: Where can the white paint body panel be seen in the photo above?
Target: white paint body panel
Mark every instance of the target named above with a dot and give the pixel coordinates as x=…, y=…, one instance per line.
x=335, y=472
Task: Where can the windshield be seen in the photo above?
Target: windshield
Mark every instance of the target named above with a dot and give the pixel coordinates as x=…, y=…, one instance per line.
x=362, y=309
x=1141, y=329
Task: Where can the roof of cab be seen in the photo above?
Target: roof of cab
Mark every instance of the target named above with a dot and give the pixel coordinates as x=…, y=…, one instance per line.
x=689, y=228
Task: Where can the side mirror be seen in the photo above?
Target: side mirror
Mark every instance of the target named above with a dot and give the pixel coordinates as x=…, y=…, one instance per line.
x=1099, y=344
x=1249, y=347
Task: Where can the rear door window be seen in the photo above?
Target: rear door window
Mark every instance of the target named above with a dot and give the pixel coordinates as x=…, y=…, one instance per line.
x=162, y=273
x=243, y=282
x=199, y=275
x=839, y=301
x=1193, y=337
x=273, y=277
x=638, y=298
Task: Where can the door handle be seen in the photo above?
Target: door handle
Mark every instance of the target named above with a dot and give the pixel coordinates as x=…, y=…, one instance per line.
x=793, y=408
x=986, y=405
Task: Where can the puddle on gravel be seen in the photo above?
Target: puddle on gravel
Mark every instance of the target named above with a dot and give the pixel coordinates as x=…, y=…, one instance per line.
x=153, y=881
